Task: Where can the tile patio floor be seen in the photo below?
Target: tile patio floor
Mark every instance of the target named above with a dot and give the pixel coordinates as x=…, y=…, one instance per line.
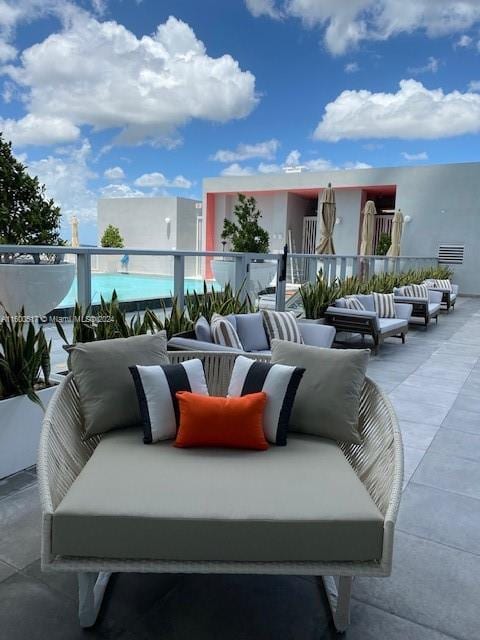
x=433, y=594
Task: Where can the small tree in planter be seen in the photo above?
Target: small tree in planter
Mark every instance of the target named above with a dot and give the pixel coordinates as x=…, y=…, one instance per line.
x=111, y=238
x=246, y=235
x=26, y=215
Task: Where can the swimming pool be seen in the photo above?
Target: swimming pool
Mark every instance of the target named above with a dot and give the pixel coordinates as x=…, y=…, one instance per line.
x=131, y=286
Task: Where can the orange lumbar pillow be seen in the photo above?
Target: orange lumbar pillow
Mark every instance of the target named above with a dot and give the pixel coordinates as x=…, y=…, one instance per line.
x=209, y=421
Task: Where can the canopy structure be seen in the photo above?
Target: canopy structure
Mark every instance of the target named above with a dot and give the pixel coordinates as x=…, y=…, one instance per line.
x=397, y=229
x=328, y=215
x=368, y=228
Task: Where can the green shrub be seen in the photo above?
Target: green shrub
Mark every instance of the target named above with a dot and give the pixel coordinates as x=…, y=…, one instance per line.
x=111, y=238
x=223, y=302
x=383, y=244
x=24, y=358
x=246, y=235
x=319, y=295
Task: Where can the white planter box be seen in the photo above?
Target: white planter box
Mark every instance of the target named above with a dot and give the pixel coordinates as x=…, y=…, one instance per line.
x=20, y=427
x=260, y=274
x=39, y=288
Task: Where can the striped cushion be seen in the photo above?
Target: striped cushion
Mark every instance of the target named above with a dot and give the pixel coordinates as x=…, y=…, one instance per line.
x=384, y=305
x=224, y=333
x=280, y=383
x=352, y=302
x=281, y=325
x=417, y=291
x=446, y=285
x=156, y=387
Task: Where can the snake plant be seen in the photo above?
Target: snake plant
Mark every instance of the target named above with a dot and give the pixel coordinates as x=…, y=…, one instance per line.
x=24, y=357
x=223, y=302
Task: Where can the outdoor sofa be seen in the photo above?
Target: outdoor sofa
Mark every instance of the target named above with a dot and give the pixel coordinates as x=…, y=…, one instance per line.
x=449, y=296
x=100, y=515
x=252, y=334
x=367, y=322
x=423, y=310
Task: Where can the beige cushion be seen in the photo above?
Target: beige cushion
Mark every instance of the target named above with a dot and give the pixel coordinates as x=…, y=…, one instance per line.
x=328, y=397
x=302, y=502
x=107, y=392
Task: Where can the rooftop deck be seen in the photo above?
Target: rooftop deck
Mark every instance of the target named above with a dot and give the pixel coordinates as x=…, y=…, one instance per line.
x=433, y=594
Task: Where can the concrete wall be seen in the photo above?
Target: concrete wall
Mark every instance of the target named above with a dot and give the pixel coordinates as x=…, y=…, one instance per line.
x=142, y=224
x=442, y=200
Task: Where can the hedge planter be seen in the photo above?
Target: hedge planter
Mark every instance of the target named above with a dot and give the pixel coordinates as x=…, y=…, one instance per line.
x=20, y=426
x=260, y=274
x=38, y=288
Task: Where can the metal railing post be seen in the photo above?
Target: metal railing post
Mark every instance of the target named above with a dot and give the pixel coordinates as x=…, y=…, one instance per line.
x=240, y=278
x=84, y=279
x=281, y=282
x=179, y=280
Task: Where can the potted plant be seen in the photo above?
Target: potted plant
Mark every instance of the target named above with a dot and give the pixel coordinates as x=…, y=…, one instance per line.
x=111, y=238
x=245, y=236
x=25, y=390
x=38, y=283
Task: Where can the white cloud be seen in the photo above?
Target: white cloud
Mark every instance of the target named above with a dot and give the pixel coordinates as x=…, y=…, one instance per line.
x=66, y=178
x=423, y=155
x=265, y=150
x=263, y=8
x=293, y=158
x=157, y=179
x=39, y=129
x=464, y=41
x=265, y=167
x=236, y=170
x=413, y=112
x=114, y=173
x=357, y=165
x=349, y=22
x=102, y=75
x=431, y=66
x=351, y=67
x=474, y=85
x=121, y=191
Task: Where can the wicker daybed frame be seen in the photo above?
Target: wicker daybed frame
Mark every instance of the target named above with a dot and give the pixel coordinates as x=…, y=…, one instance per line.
x=378, y=462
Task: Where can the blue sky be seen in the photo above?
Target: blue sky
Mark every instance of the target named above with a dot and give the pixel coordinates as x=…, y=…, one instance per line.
x=128, y=97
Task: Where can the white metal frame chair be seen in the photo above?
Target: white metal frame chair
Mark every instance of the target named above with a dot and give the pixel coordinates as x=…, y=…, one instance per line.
x=378, y=462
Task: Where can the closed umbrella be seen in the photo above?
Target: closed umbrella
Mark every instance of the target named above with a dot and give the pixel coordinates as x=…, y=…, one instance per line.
x=368, y=228
x=397, y=228
x=74, y=223
x=328, y=216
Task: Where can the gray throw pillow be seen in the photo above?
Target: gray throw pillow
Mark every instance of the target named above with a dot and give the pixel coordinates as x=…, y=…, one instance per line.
x=328, y=398
x=202, y=330
x=101, y=371
x=251, y=332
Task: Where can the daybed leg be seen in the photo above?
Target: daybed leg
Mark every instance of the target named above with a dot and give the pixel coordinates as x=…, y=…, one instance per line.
x=339, y=599
x=403, y=338
x=91, y=589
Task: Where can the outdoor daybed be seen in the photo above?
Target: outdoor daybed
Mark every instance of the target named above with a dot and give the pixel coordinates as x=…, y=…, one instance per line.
x=366, y=321
x=449, y=296
x=325, y=509
x=252, y=334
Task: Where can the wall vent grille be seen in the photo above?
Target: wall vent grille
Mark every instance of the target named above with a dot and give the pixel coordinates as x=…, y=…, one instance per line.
x=451, y=253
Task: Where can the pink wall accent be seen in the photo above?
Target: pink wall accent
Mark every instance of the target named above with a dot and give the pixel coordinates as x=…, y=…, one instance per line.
x=210, y=233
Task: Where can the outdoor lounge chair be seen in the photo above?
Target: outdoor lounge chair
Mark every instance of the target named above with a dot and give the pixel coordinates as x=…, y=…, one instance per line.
x=423, y=310
x=449, y=297
x=367, y=322
x=253, y=337
x=96, y=532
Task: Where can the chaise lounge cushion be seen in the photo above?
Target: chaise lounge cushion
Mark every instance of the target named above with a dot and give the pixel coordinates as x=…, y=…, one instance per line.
x=391, y=324
x=159, y=502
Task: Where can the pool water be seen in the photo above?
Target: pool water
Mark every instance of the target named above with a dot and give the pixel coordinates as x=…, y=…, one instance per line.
x=130, y=286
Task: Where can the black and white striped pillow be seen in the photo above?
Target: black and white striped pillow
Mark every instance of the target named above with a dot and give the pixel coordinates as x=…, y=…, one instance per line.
x=281, y=325
x=224, y=333
x=352, y=302
x=280, y=383
x=446, y=285
x=384, y=305
x=156, y=387
x=417, y=291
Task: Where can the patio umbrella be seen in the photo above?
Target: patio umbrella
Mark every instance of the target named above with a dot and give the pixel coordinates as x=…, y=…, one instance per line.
x=368, y=228
x=74, y=223
x=328, y=217
x=397, y=228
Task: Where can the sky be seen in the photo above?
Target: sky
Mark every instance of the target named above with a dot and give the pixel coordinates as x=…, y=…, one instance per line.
x=121, y=98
